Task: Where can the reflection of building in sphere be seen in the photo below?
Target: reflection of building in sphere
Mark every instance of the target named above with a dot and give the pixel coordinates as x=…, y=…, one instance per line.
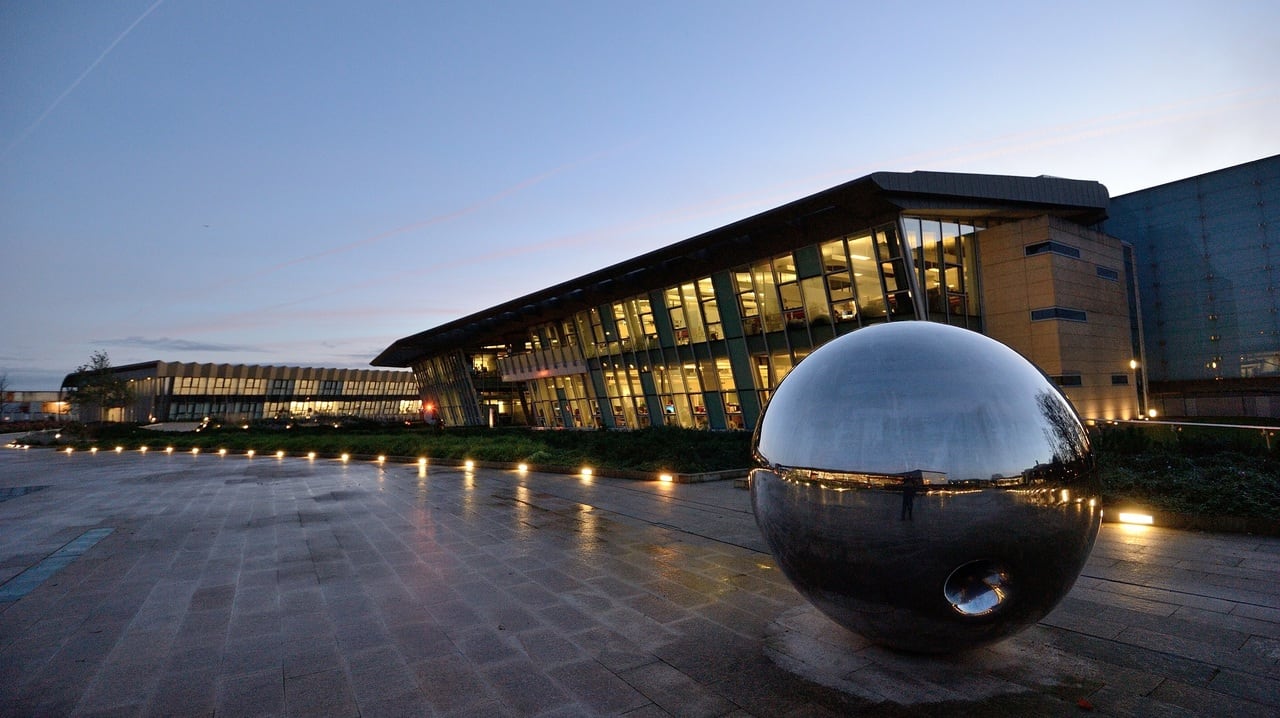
x=925, y=486
x=978, y=588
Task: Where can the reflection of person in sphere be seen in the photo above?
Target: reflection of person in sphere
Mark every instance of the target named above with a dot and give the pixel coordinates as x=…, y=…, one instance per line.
x=910, y=484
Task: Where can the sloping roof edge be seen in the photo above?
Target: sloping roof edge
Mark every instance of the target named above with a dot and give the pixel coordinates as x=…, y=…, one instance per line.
x=874, y=195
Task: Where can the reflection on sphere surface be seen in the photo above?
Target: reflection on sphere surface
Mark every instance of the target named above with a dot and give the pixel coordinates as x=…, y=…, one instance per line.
x=925, y=486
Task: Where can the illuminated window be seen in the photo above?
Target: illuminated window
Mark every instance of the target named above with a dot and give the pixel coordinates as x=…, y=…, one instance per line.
x=710, y=309
x=748, y=304
x=866, y=278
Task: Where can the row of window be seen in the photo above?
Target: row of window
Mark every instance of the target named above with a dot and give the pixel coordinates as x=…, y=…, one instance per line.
x=706, y=353
x=851, y=280
x=298, y=410
x=449, y=392
x=1078, y=380
x=232, y=386
x=1066, y=250
x=856, y=279
x=1070, y=314
x=700, y=393
x=1065, y=313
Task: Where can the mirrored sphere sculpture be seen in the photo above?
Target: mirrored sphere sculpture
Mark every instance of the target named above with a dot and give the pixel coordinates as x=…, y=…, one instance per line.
x=925, y=486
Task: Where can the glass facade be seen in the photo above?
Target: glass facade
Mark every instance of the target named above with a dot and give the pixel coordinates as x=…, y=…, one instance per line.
x=466, y=388
x=1208, y=255
x=1173, y=289
x=449, y=393
x=945, y=255
x=222, y=392
x=706, y=353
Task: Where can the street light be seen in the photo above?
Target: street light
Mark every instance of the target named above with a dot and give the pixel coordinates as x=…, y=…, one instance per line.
x=1141, y=381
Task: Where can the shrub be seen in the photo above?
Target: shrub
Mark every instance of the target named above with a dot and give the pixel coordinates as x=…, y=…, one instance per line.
x=1150, y=465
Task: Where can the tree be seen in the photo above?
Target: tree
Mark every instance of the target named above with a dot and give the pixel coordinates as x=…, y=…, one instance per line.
x=96, y=386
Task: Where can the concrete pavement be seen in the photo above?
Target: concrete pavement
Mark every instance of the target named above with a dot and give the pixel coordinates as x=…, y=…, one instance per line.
x=207, y=585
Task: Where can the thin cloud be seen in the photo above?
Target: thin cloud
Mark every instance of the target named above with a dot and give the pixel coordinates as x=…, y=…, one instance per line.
x=1089, y=128
x=1180, y=113
x=1066, y=133
x=76, y=83
x=272, y=316
x=181, y=345
x=431, y=221
x=592, y=237
x=1056, y=135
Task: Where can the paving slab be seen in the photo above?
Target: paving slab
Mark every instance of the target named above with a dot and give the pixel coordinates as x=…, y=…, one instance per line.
x=207, y=585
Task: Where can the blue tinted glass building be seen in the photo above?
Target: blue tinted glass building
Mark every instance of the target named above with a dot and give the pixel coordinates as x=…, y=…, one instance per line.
x=1207, y=251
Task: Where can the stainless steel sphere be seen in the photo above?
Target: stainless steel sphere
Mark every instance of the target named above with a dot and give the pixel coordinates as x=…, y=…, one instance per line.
x=925, y=486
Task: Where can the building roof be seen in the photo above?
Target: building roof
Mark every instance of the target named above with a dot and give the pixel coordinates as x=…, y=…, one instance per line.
x=152, y=369
x=863, y=202
x=1264, y=162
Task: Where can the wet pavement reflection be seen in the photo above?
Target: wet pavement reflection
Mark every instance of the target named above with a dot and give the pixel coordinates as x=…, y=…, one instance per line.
x=231, y=585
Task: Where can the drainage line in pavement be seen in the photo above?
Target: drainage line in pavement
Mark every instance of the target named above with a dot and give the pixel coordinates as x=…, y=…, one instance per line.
x=26, y=582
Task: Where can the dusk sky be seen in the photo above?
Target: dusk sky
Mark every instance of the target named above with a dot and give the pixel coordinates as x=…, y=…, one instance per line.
x=300, y=183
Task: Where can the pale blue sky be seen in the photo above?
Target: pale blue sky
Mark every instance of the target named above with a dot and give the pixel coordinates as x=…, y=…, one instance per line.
x=304, y=183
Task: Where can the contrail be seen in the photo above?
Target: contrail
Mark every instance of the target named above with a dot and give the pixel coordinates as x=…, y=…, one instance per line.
x=76, y=83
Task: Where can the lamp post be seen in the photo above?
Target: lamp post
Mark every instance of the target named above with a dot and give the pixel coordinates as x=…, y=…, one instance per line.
x=1139, y=379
